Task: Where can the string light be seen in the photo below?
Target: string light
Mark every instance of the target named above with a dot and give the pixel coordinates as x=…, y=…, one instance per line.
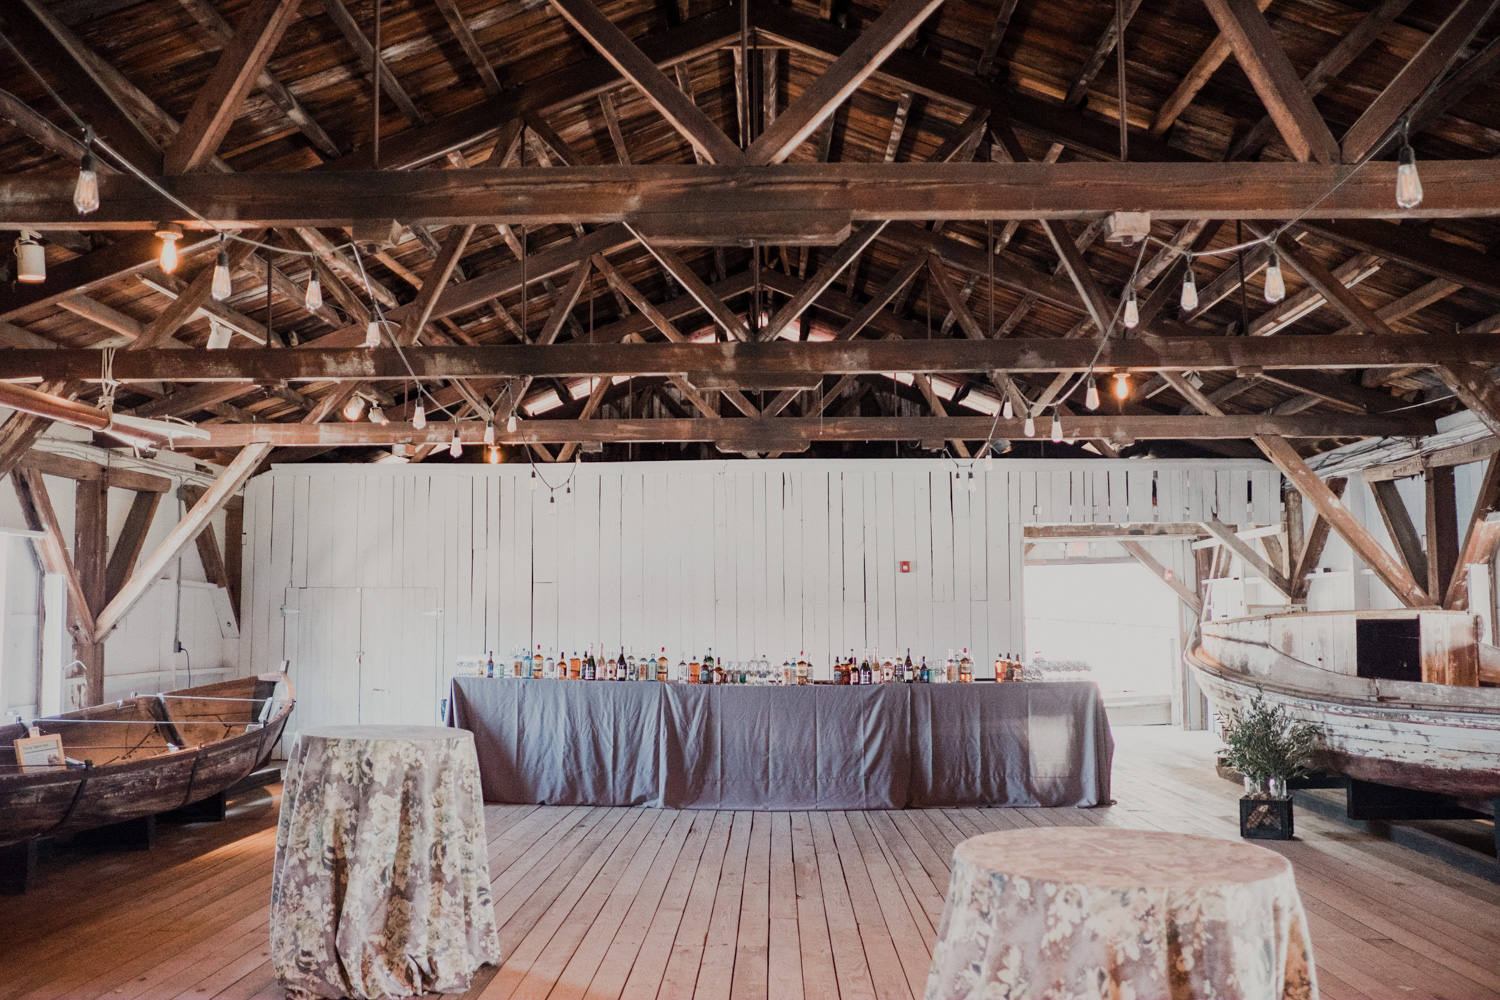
x=218, y=336
x=989, y=458
x=1275, y=283
x=377, y=416
x=510, y=423
x=1122, y=385
x=1030, y=429
x=31, y=259
x=1189, y=291
x=169, y=233
x=568, y=494
x=1132, y=311
x=419, y=416
x=533, y=480
x=1091, y=397
x=313, y=299
x=455, y=446
x=86, y=189
x=355, y=408
x=971, y=481
x=223, y=284
x=1408, y=184
x=372, y=334
x=489, y=434
x=493, y=457
x=1006, y=410
x=1057, y=428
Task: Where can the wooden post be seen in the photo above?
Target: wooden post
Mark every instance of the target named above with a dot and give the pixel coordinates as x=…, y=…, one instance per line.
x=90, y=558
x=1442, y=529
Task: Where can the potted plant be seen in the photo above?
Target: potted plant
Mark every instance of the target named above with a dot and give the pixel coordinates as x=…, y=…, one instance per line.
x=1267, y=746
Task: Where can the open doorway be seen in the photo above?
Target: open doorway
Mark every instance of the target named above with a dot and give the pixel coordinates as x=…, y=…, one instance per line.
x=1105, y=619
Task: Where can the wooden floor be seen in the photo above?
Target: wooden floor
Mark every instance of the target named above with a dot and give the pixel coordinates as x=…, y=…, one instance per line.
x=642, y=903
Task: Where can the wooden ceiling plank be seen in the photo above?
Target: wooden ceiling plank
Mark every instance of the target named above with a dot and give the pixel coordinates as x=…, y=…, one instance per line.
x=185, y=530
x=389, y=85
x=1270, y=71
x=823, y=97
x=679, y=110
x=612, y=122
x=194, y=297
x=470, y=45
x=826, y=274
x=1102, y=49
x=724, y=317
x=236, y=73
x=1203, y=70
x=1419, y=251
x=1367, y=135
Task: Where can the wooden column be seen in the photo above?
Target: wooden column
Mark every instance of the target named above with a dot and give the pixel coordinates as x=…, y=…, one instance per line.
x=91, y=559
x=1442, y=529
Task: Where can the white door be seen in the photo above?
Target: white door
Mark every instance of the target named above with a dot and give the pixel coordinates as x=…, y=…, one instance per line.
x=362, y=655
x=399, y=674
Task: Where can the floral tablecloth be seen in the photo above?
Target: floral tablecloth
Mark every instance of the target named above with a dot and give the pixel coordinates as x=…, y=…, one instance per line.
x=381, y=885
x=1120, y=915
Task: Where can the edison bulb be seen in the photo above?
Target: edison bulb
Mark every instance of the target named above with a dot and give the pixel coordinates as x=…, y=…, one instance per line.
x=1132, y=311
x=494, y=455
x=1091, y=397
x=313, y=299
x=419, y=416
x=1408, y=184
x=1057, y=429
x=456, y=447
x=510, y=423
x=1030, y=428
x=1189, y=292
x=168, y=258
x=86, y=190
x=223, y=285
x=1006, y=410
x=372, y=334
x=489, y=434
x=1275, y=283
x=1122, y=385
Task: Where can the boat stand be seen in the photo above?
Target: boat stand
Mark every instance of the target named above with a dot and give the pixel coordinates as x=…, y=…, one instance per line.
x=209, y=810
x=131, y=835
x=17, y=868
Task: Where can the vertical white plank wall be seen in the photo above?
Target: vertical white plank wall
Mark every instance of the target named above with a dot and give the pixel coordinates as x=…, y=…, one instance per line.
x=750, y=558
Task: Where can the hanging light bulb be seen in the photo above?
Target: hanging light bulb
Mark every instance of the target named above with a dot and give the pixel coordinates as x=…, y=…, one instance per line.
x=1189, y=291
x=223, y=285
x=1030, y=428
x=1132, y=311
x=455, y=446
x=533, y=480
x=551, y=504
x=218, y=336
x=31, y=259
x=377, y=416
x=489, y=434
x=313, y=299
x=355, y=408
x=971, y=481
x=169, y=233
x=1122, y=385
x=1275, y=284
x=494, y=455
x=510, y=423
x=989, y=458
x=1091, y=397
x=86, y=189
x=1408, y=184
x=568, y=494
x=1057, y=428
x=1006, y=410
x=372, y=334
x=419, y=416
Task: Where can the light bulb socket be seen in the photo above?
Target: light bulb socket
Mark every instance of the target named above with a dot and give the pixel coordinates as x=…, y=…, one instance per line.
x=1407, y=156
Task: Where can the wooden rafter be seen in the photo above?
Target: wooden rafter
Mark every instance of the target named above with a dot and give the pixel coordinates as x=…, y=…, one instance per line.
x=822, y=279
x=372, y=61
x=1166, y=576
x=1203, y=70
x=1398, y=524
x=1480, y=537
x=1248, y=556
x=1306, y=559
x=1108, y=38
x=131, y=540
x=52, y=549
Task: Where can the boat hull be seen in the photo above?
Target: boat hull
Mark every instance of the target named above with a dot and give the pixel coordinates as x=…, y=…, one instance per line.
x=54, y=803
x=1421, y=736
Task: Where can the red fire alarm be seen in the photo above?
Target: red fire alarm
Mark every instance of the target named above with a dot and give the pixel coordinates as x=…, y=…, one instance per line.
x=906, y=565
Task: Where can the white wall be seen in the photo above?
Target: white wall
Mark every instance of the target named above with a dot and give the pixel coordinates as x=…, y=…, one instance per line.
x=138, y=654
x=746, y=557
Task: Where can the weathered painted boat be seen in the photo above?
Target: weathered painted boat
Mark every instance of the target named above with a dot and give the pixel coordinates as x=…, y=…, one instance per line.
x=144, y=755
x=1388, y=688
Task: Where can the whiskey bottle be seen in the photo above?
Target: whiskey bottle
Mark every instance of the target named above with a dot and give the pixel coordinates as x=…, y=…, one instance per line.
x=630, y=667
x=708, y=665
x=489, y=669
x=801, y=668
x=536, y=665
x=926, y=676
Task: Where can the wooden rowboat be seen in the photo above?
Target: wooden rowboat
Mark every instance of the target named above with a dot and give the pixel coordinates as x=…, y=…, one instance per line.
x=1393, y=728
x=144, y=755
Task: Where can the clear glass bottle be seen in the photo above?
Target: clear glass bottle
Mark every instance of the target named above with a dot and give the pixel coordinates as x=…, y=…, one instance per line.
x=950, y=669
x=683, y=674
x=630, y=666
x=663, y=667
x=800, y=670
x=611, y=667
x=926, y=674
x=549, y=670
x=887, y=671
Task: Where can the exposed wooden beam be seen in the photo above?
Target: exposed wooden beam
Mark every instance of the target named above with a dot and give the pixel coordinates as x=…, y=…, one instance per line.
x=924, y=384
x=1311, y=553
x=194, y=297
x=20, y=430
x=373, y=61
x=824, y=277
x=1398, y=524
x=1270, y=71
x=1333, y=290
x=1112, y=532
x=1419, y=251
x=131, y=541
x=1166, y=576
x=1442, y=529
x=823, y=97
x=612, y=122
x=1472, y=385
x=239, y=68
x=675, y=106
x=52, y=549
x=470, y=45
x=1375, y=126
x=83, y=471
x=229, y=482
x=1203, y=70
x=727, y=319
x=830, y=357
x=1480, y=538
x=1248, y=556
x=434, y=280
x=1091, y=427
x=1102, y=49
x=777, y=200
x=986, y=63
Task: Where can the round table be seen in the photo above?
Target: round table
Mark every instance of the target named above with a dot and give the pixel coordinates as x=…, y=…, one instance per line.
x=1120, y=914
x=381, y=886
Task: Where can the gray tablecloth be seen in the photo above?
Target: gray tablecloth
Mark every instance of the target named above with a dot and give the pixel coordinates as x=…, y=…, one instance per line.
x=817, y=747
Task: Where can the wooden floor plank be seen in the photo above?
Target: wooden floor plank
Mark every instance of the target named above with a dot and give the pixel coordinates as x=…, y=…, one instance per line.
x=616, y=904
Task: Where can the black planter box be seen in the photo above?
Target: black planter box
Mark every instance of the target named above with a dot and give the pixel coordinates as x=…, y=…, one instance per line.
x=1266, y=819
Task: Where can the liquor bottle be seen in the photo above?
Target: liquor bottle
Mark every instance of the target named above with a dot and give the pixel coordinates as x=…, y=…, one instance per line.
x=708, y=665
x=909, y=674
x=950, y=668
x=926, y=675
x=630, y=674
x=682, y=670
x=867, y=672
x=593, y=665
x=609, y=667
x=788, y=672
x=965, y=668
x=854, y=673
x=800, y=670
x=549, y=670
x=719, y=675
x=535, y=665
x=887, y=671
x=489, y=669
x=574, y=665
